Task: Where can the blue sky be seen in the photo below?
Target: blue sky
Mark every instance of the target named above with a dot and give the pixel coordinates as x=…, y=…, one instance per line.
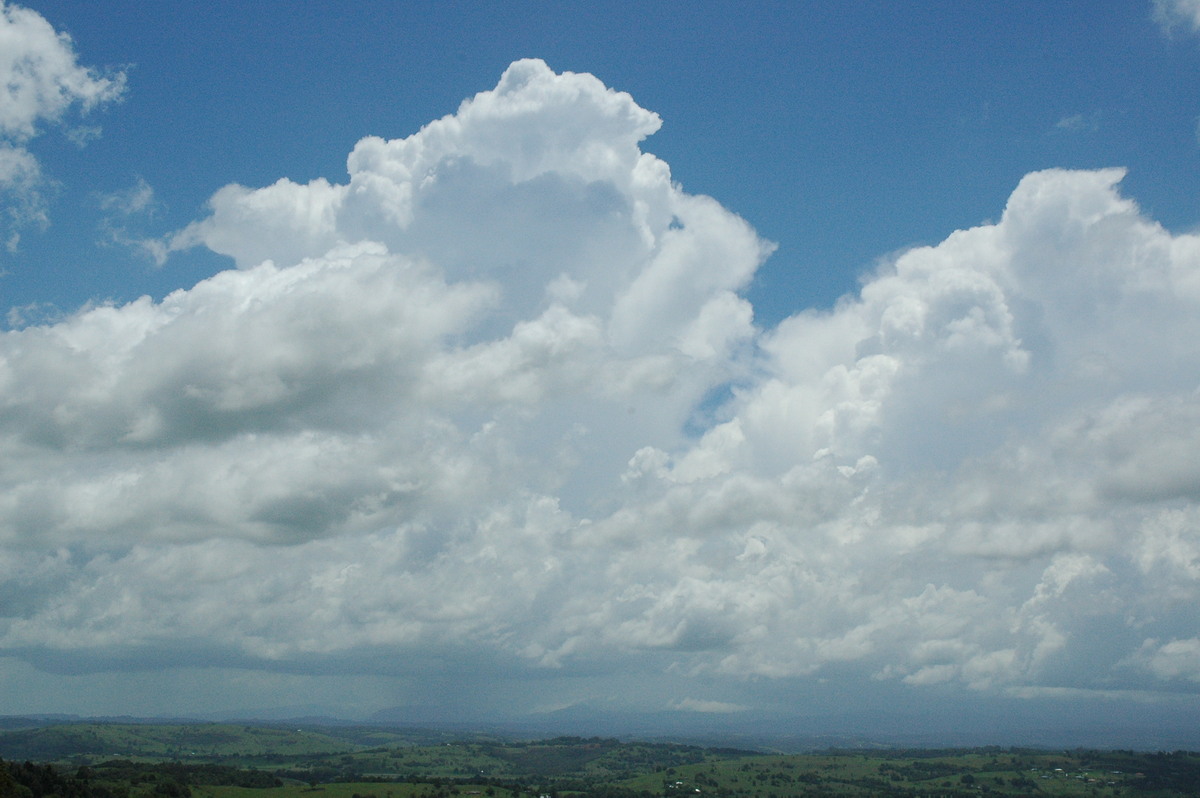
x=466, y=360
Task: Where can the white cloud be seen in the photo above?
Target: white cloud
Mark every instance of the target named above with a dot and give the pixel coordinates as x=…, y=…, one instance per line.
x=21, y=191
x=122, y=209
x=1172, y=660
x=703, y=705
x=1072, y=122
x=40, y=74
x=138, y=198
x=1172, y=13
x=444, y=407
x=40, y=79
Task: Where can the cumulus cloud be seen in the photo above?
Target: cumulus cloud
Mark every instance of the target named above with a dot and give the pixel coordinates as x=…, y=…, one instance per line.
x=41, y=80
x=499, y=395
x=1176, y=659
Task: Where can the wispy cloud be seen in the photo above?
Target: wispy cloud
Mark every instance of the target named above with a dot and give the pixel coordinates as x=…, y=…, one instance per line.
x=1173, y=14
x=137, y=199
x=122, y=211
x=1077, y=122
x=712, y=707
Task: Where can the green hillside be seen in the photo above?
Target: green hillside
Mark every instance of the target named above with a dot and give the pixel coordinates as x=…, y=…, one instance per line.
x=162, y=741
x=123, y=760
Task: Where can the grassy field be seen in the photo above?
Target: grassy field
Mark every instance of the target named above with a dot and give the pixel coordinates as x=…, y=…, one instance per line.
x=253, y=745
x=958, y=773
x=345, y=790
x=161, y=741
x=203, y=760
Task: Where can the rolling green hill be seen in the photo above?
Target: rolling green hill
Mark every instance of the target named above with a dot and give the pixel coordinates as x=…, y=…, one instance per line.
x=165, y=741
x=129, y=760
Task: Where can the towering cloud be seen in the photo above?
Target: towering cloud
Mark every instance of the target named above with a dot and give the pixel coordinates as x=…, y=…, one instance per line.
x=500, y=396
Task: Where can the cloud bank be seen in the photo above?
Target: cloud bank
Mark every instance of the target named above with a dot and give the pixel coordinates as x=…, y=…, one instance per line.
x=499, y=398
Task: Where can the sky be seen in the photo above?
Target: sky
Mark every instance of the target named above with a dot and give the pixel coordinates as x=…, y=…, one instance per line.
x=827, y=367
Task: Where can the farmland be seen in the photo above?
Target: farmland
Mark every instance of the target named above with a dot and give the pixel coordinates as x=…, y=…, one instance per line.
x=192, y=760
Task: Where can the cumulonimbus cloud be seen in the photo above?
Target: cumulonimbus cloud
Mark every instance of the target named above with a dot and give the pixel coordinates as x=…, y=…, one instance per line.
x=466, y=400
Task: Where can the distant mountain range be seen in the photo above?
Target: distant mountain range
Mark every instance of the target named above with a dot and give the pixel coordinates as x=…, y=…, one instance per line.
x=1012, y=723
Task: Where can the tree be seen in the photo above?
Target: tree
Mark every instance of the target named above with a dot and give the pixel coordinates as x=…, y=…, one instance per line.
x=8, y=786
